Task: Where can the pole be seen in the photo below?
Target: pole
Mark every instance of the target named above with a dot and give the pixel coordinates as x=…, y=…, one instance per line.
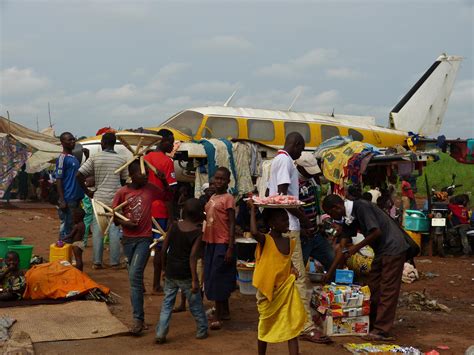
x=49, y=113
x=9, y=126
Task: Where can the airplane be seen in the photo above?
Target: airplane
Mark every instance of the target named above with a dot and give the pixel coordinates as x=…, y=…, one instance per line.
x=420, y=111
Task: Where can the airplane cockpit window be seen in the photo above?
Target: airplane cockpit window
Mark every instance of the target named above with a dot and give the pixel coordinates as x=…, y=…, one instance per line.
x=221, y=127
x=301, y=128
x=328, y=132
x=356, y=135
x=260, y=130
x=187, y=122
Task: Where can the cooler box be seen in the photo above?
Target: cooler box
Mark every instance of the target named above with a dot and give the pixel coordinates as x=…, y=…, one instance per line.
x=416, y=221
x=358, y=326
x=60, y=253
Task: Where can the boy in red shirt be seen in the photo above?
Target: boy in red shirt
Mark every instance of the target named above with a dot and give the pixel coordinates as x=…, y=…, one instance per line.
x=137, y=234
x=161, y=210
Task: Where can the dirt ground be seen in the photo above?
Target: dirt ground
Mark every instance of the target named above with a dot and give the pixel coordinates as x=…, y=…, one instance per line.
x=454, y=287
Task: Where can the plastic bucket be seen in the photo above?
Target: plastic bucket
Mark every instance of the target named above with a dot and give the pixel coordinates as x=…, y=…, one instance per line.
x=245, y=248
x=5, y=242
x=24, y=252
x=245, y=281
x=3, y=248
x=416, y=221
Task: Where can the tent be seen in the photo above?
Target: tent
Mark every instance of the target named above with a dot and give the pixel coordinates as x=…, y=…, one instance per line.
x=20, y=145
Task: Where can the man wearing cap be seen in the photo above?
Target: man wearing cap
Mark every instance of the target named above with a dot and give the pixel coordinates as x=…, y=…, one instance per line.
x=313, y=245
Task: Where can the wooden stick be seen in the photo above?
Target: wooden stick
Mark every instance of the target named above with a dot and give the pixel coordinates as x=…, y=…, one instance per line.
x=126, y=164
x=124, y=203
x=107, y=214
x=108, y=226
x=104, y=205
x=137, y=148
x=151, y=167
x=121, y=216
x=125, y=144
x=142, y=165
x=157, y=225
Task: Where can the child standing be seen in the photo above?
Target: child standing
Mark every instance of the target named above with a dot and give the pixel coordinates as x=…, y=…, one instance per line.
x=137, y=232
x=282, y=314
x=219, y=259
x=179, y=257
x=76, y=237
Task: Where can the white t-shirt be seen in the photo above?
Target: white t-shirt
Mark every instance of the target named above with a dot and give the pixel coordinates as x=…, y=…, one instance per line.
x=283, y=171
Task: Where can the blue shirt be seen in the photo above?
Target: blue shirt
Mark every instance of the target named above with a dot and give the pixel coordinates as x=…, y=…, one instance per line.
x=66, y=169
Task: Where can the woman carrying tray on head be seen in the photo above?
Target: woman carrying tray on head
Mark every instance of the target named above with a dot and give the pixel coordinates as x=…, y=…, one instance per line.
x=282, y=314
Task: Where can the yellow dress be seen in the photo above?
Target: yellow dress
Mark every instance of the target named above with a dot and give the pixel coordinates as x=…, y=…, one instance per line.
x=282, y=314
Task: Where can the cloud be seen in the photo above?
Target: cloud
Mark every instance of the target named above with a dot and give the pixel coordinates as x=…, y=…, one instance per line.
x=124, y=92
x=297, y=66
x=463, y=92
x=15, y=81
x=225, y=43
x=343, y=73
x=213, y=87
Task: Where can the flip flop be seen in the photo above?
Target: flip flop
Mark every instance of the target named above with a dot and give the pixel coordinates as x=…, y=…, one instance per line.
x=315, y=337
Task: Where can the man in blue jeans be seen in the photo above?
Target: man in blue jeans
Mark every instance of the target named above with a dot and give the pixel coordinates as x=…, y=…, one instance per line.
x=102, y=167
x=69, y=191
x=315, y=245
x=137, y=232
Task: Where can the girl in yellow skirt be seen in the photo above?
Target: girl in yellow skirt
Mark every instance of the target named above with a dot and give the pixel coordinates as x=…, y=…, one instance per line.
x=281, y=312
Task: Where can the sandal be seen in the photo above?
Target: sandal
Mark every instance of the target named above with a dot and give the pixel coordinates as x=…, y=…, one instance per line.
x=377, y=337
x=315, y=337
x=215, y=325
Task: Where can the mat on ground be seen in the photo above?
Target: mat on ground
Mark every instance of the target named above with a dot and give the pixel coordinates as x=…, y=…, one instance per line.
x=69, y=321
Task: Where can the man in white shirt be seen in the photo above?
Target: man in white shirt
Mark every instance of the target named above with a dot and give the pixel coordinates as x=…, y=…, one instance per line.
x=284, y=180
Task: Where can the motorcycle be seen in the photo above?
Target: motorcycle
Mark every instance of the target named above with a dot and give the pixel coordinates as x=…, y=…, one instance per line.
x=439, y=212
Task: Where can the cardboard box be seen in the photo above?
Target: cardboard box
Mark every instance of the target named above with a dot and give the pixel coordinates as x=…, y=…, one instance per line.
x=358, y=326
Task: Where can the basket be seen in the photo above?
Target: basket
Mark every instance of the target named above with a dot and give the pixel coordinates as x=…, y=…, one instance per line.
x=24, y=252
x=245, y=281
x=416, y=221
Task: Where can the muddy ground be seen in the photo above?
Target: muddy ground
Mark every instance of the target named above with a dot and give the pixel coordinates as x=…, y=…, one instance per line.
x=454, y=287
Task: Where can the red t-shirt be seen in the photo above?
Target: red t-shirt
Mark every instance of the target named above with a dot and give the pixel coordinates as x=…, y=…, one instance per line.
x=407, y=190
x=138, y=208
x=163, y=163
x=217, y=219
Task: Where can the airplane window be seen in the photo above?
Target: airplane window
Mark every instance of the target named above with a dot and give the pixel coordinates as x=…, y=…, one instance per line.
x=187, y=122
x=221, y=127
x=260, y=130
x=301, y=128
x=328, y=132
x=356, y=135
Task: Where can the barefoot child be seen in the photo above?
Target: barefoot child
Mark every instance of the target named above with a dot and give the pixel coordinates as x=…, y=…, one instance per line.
x=76, y=238
x=282, y=314
x=137, y=232
x=219, y=260
x=179, y=256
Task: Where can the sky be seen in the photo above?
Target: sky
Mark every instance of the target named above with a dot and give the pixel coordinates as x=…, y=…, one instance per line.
x=131, y=64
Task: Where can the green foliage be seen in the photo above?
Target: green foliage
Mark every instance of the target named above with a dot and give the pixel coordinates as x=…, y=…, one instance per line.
x=440, y=175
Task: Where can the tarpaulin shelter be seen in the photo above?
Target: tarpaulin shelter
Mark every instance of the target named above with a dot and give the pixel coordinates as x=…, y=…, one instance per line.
x=20, y=145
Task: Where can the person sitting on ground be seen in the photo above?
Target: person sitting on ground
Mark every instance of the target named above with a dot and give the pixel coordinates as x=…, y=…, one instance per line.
x=137, y=232
x=219, y=258
x=458, y=205
x=12, y=279
x=179, y=257
x=76, y=237
x=282, y=314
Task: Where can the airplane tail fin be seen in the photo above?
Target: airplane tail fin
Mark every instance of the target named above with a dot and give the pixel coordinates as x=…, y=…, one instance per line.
x=422, y=109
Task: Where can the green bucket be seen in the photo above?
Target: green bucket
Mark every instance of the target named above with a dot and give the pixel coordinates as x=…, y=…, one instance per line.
x=7, y=241
x=25, y=253
x=3, y=248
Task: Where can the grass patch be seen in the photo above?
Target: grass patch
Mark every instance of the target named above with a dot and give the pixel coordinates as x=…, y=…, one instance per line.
x=439, y=175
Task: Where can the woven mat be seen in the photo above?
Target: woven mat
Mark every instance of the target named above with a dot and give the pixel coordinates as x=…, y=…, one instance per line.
x=69, y=321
